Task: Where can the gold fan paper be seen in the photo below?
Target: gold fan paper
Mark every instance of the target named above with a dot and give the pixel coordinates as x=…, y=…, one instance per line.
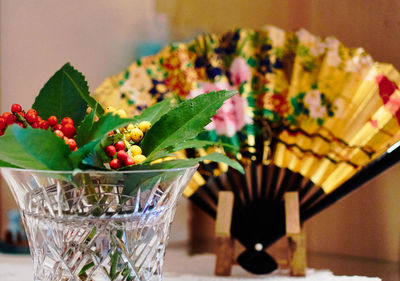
x=329, y=110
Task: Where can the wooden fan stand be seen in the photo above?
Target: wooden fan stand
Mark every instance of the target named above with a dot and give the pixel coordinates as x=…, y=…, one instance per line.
x=295, y=235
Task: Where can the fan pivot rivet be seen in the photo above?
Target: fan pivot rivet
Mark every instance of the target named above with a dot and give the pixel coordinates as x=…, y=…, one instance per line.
x=258, y=247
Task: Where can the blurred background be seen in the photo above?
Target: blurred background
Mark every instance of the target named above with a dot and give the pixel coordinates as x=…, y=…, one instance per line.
x=102, y=37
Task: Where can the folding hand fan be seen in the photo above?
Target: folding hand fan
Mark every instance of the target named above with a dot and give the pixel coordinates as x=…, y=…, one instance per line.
x=311, y=116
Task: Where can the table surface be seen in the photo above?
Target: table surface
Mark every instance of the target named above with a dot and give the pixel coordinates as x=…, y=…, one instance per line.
x=178, y=267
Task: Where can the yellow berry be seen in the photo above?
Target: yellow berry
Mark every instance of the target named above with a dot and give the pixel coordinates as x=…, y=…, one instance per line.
x=121, y=113
x=127, y=136
x=136, y=135
x=159, y=160
x=139, y=158
x=168, y=158
x=130, y=127
x=121, y=130
x=136, y=150
x=144, y=126
x=109, y=109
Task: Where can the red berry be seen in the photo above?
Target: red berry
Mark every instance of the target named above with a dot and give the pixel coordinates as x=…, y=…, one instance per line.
x=59, y=133
x=111, y=133
x=31, y=116
x=68, y=130
x=5, y=114
x=122, y=156
x=11, y=119
x=115, y=164
x=3, y=123
x=39, y=119
x=21, y=124
x=72, y=144
x=52, y=120
x=35, y=125
x=58, y=127
x=16, y=108
x=120, y=145
x=32, y=111
x=67, y=120
x=129, y=162
x=110, y=150
x=44, y=125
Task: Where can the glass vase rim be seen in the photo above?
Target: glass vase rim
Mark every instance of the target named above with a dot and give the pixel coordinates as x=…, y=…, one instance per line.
x=100, y=171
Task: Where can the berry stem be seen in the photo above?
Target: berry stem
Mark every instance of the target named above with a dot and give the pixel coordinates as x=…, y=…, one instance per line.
x=89, y=188
x=22, y=120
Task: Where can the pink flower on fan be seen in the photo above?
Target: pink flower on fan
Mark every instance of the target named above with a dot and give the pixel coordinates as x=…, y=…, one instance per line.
x=313, y=98
x=240, y=71
x=231, y=116
x=317, y=111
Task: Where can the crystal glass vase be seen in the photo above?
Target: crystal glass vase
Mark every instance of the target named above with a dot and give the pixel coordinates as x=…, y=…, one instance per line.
x=97, y=225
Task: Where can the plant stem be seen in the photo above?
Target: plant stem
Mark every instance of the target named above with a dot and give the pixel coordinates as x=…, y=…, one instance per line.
x=115, y=257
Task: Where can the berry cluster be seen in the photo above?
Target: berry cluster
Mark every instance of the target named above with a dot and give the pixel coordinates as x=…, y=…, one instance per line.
x=125, y=150
x=65, y=129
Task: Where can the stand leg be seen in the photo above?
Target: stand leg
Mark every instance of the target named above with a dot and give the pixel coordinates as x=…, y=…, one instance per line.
x=296, y=236
x=225, y=250
x=224, y=261
x=297, y=254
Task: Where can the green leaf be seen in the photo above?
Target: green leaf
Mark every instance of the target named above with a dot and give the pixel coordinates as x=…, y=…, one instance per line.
x=105, y=124
x=77, y=156
x=154, y=113
x=96, y=159
x=62, y=95
x=185, y=145
x=34, y=149
x=86, y=96
x=198, y=144
x=184, y=122
x=218, y=157
x=84, y=129
x=184, y=163
x=7, y=165
x=172, y=164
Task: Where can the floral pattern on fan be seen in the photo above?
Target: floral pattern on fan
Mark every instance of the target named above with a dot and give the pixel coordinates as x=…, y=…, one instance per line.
x=250, y=61
x=300, y=84
x=314, y=96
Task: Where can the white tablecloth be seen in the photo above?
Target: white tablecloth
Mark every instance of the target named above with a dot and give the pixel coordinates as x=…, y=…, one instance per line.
x=180, y=267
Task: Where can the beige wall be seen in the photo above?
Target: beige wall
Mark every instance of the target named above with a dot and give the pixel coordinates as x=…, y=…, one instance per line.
x=367, y=223
x=374, y=25
x=38, y=37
